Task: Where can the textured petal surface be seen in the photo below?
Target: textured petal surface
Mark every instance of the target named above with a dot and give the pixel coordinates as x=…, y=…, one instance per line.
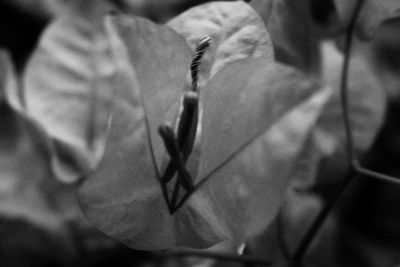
x=236, y=29
x=124, y=199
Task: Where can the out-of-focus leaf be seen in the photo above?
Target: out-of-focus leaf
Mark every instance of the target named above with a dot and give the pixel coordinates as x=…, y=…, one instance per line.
x=8, y=81
x=302, y=205
x=159, y=11
x=22, y=161
x=67, y=85
x=369, y=212
x=322, y=164
x=327, y=152
x=299, y=210
x=256, y=116
x=367, y=104
x=40, y=219
x=236, y=30
x=293, y=35
x=373, y=13
x=39, y=8
x=30, y=199
x=384, y=54
x=46, y=9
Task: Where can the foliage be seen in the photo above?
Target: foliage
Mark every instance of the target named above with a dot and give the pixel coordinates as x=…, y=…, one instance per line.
x=166, y=147
x=373, y=13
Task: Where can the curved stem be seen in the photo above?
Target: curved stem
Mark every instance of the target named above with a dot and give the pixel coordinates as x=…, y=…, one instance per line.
x=216, y=256
x=344, y=81
x=323, y=214
x=319, y=220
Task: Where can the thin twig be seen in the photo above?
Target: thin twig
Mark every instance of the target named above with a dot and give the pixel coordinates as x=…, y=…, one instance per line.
x=319, y=220
x=216, y=256
x=344, y=93
x=323, y=214
x=344, y=86
x=377, y=175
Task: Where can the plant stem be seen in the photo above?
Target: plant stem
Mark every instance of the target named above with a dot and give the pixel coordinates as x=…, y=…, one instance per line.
x=377, y=175
x=216, y=256
x=320, y=219
x=344, y=84
x=352, y=173
x=352, y=158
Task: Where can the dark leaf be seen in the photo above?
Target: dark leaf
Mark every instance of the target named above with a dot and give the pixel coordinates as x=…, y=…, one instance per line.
x=322, y=164
x=292, y=32
x=373, y=13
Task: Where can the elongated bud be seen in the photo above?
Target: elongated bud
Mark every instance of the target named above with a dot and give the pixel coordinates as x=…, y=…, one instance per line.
x=167, y=134
x=201, y=48
x=190, y=98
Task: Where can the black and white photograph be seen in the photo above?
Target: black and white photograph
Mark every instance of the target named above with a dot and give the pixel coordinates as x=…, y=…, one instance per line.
x=199, y=133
